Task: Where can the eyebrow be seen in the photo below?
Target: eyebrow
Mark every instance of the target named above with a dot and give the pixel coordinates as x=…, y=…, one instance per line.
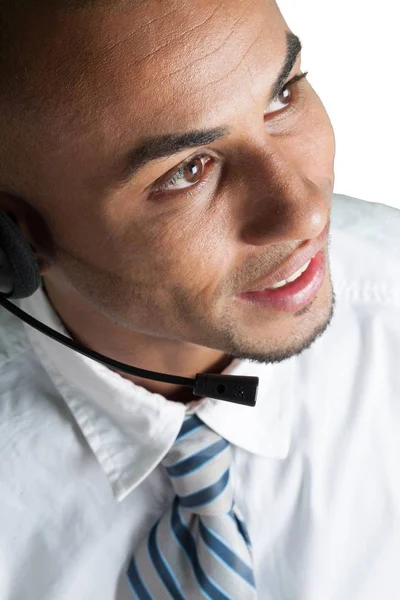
x=168, y=145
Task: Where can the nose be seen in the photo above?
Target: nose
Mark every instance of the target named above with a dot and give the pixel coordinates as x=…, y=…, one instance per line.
x=281, y=203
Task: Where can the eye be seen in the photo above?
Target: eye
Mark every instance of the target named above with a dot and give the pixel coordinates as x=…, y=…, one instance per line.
x=285, y=96
x=188, y=175
x=191, y=173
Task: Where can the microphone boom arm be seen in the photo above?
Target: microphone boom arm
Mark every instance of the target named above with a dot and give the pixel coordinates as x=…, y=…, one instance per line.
x=238, y=389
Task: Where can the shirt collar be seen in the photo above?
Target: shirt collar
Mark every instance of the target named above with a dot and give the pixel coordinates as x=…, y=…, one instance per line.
x=130, y=429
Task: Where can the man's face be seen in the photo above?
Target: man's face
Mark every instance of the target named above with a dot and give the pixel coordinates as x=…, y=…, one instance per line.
x=167, y=252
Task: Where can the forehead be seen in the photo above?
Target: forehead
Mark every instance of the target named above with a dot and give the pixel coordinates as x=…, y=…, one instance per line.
x=172, y=65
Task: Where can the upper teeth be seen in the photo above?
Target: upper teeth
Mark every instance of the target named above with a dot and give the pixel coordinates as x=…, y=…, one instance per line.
x=292, y=278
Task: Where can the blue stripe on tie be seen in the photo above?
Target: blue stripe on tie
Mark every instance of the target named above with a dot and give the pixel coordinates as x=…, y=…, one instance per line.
x=185, y=539
x=189, y=425
x=136, y=584
x=206, y=495
x=197, y=460
x=242, y=528
x=225, y=554
x=162, y=568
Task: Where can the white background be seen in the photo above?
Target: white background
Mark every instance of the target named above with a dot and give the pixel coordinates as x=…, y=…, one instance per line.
x=350, y=51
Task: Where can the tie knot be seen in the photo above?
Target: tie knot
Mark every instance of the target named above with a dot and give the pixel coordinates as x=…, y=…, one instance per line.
x=198, y=466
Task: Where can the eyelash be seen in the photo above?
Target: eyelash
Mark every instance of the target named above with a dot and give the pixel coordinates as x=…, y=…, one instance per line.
x=175, y=178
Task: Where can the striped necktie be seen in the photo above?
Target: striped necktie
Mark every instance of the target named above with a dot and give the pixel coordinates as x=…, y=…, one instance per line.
x=200, y=548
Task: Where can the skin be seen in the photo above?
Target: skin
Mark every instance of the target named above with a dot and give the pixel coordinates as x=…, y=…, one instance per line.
x=151, y=280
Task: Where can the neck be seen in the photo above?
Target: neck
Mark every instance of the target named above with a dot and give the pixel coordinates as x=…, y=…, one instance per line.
x=91, y=328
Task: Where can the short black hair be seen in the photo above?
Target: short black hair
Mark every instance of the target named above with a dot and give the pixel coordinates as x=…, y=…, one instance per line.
x=13, y=14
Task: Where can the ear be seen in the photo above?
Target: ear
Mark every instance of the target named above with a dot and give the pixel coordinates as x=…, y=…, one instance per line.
x=31, y=225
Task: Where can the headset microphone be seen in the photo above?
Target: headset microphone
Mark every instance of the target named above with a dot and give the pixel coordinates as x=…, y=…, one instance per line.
x=20, y=278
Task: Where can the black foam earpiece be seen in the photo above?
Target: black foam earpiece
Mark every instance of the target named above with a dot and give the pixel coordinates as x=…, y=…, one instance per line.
x=21, y=265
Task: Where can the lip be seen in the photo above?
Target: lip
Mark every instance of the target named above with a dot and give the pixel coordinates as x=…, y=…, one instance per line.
x=293, y=263
x=296, y=295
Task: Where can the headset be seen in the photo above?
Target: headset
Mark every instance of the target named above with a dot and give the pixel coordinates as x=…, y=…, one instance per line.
x=20, y=278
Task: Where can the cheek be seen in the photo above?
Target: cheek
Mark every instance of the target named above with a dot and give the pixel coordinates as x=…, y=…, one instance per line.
x=201, y=259
x=185, y=249
x=191, y=249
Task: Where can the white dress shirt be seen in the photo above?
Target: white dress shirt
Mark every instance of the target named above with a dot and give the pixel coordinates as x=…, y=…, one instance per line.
x=316, y=464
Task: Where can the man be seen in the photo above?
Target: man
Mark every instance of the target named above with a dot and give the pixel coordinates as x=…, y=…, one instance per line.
x=166, y=162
